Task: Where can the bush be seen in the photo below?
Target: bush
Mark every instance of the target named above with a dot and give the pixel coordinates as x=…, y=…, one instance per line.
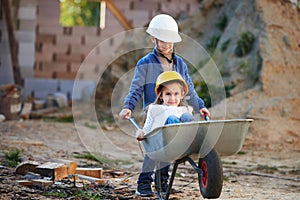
x=222, y=23
x=212, y=43
x=244, y=45
x=12, y=157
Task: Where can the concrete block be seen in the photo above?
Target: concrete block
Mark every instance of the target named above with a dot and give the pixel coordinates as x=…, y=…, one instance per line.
x=25, y=36
x=27, y=71
x=27, y=25
x=27, y=13
x=40, y=87
x=27, y=49
x=26, y=60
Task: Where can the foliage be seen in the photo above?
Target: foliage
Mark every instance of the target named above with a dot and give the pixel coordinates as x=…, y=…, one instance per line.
x=203, y=92
x=68, y=119
x=222, y=23
x=225, y=45
x=244, y=44
x=102, y=159
x=12, y=157
x=79, y=13
x=212, y=43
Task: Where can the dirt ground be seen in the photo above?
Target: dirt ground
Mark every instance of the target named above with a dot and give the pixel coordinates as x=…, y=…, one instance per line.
x=252, y=174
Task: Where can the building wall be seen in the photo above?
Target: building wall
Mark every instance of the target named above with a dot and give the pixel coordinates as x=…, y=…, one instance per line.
x=59, y=51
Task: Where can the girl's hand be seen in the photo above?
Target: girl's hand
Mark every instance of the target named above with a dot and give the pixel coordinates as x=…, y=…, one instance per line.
x=204, y=112
x=125, y=113
x=139, y=134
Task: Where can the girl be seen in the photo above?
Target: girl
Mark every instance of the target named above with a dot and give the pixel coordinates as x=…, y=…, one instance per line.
x=168, y=108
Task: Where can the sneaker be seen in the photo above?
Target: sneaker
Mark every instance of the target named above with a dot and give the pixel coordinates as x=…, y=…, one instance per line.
x=164, y=188
x=143, y=190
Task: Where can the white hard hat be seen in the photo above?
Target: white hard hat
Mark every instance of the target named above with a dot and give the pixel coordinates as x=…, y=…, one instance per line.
x=164, y=28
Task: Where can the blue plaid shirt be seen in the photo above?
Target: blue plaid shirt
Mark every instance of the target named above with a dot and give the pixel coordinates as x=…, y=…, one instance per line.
x=146, y=72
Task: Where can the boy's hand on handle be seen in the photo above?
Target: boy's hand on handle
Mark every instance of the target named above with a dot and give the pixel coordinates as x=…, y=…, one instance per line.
x=139, y=134
x=125, y=113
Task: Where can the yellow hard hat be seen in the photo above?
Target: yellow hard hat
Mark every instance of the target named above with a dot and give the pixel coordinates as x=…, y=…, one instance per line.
x=170, y=76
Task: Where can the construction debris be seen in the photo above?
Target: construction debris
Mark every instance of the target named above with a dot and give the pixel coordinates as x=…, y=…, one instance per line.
x=56, y=171
x=27, y=166
x=93, y=172
x=51, y=172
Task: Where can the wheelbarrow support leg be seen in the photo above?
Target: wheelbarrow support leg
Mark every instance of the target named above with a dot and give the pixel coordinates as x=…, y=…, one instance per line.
x=177, y=162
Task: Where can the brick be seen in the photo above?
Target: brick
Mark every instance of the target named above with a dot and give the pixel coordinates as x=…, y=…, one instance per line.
x=68, y=58
x=54, y=48
x=45, y=38
x=64, y=75
x=40, y=57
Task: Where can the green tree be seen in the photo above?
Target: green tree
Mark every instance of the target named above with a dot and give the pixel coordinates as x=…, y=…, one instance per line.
x=79, y=13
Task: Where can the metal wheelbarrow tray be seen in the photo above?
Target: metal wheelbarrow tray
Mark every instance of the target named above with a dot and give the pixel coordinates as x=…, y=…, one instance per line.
x=175, y=141
x=204, y=139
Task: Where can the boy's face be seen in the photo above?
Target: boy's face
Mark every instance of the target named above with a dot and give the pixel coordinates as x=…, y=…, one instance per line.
x=163, y=47
x=172, y=94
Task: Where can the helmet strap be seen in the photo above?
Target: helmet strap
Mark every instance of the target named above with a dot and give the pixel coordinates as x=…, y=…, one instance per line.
x=162, y=55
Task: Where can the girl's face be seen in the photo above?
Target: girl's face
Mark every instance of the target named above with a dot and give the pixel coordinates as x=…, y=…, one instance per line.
x=172, y=94
x=163, y=47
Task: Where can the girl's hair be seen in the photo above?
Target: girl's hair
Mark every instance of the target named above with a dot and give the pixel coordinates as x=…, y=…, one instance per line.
x=158, y=100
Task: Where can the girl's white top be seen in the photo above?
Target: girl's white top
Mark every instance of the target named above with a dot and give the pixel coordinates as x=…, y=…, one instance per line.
x=157, y=115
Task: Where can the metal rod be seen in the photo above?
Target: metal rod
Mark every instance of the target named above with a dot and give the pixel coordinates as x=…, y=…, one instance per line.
x=136, y=125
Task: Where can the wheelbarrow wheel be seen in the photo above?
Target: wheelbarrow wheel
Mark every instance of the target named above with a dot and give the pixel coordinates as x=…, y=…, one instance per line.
x=211, y=181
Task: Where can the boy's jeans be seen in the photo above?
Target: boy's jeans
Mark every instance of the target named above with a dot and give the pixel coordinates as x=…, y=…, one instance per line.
x=148, y=165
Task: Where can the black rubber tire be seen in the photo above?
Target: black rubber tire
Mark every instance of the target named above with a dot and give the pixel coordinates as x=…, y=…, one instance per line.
x=211, y=181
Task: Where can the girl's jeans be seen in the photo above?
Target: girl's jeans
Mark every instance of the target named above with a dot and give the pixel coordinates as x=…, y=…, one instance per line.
x=145, y=176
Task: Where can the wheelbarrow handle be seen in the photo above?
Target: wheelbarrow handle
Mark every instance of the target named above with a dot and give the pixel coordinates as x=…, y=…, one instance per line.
x=206, y=117
x=134, y=123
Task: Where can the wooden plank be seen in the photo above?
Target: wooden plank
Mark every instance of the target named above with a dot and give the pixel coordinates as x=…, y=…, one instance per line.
x=41, y=182
x=91, y=179
x=56, y=171
x=93, y=172
x=71, y=165
x=24, y=183
x=26, y=110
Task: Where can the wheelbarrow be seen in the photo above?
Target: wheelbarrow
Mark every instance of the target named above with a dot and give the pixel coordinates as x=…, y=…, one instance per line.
x=203, y=141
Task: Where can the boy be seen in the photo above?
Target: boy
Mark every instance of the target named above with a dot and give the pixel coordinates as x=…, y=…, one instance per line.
x=164, y=33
